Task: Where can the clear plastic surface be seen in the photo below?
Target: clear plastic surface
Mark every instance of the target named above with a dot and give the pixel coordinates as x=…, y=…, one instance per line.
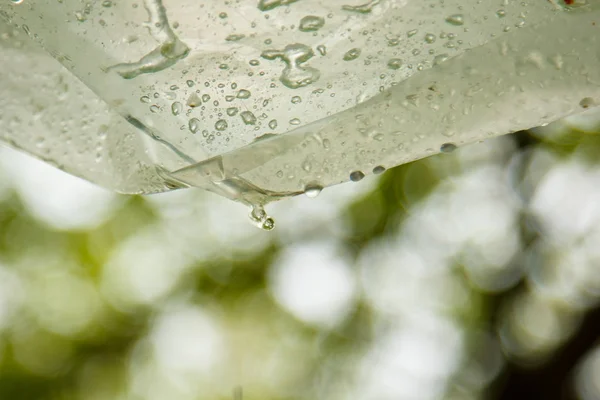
x=260, y=100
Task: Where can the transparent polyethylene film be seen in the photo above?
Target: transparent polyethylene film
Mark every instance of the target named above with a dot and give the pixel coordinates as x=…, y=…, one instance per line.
x=49, y=113
x=263, y=99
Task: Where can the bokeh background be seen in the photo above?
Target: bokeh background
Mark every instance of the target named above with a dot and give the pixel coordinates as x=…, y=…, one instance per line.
x=470, y=275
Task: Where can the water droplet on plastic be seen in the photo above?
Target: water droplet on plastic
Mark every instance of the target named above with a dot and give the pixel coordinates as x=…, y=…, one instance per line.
x=362, y=8
x=235, y=37
x=456, y=19
x=244, y=94
x=352, y=54
x=394, y=63
x=80, y=16
x=430, y=38
x=194, y=101
x=307, y=165
x=294, y=75
x=440, y=58
x=311, y=23
x=176, y=108
x=273, y=124
x=587, y=102
x=221, y=125
x=248, y=117
x=194, y=125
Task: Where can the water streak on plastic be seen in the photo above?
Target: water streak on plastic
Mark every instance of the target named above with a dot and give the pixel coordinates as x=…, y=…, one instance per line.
x=169, y=51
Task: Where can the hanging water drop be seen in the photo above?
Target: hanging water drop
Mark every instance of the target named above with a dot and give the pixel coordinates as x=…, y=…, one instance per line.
x=259, y=217
x=268, y=224
x=312, y=190
x=379, y=170
x=448, y=148
x=356, y=176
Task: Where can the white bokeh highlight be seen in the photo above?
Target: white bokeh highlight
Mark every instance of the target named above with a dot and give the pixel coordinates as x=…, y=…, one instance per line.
x=587, y=376
x=314, y=282
x=54, y=197
x=412, y=360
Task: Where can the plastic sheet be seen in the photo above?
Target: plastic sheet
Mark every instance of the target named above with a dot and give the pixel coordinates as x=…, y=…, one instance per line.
x=260, y=100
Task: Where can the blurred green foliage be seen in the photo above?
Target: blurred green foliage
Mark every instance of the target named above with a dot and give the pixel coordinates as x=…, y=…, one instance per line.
x=94, y=360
